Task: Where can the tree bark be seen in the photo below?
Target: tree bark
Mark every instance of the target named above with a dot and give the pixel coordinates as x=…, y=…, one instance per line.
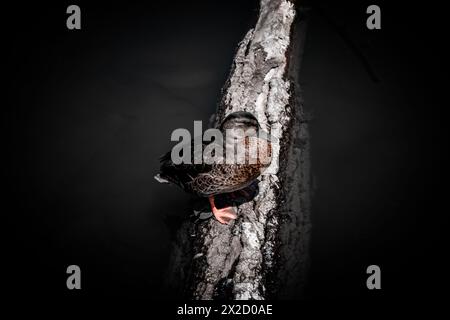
x=264, y=252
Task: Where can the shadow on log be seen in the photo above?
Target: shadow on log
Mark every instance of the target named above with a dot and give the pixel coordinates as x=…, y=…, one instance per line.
x=264, y=253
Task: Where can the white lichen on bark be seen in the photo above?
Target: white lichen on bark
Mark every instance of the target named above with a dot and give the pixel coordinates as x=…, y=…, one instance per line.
x=258, y=84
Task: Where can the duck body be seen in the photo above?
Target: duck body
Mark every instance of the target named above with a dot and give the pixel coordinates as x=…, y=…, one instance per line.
x=209, y=180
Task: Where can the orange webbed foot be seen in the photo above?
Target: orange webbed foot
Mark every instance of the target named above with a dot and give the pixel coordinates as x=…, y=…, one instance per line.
x=224, y=215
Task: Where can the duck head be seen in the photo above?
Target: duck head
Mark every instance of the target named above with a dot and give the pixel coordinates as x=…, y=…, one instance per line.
x=242, y=122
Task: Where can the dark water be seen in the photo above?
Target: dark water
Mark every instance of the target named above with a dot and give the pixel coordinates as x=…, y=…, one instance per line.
x=92, y=110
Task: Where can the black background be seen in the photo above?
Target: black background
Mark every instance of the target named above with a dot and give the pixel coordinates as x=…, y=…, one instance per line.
x=89, y=112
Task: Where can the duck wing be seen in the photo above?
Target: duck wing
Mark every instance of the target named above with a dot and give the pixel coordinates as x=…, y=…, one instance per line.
x=215, y=178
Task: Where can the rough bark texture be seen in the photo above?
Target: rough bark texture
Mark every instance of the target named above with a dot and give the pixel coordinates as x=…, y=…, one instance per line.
x=262, y=254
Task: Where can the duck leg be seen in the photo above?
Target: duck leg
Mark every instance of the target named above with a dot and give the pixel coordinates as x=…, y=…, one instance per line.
x=224, y=215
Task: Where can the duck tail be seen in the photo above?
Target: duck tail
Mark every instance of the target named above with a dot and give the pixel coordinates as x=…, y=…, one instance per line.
x=161, y=179
x=166, y=164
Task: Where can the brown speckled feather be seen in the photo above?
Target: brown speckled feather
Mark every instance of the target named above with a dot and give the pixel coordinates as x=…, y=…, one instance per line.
x=225, y=178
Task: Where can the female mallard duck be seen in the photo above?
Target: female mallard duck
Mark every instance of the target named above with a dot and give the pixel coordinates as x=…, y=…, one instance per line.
x=209, y=180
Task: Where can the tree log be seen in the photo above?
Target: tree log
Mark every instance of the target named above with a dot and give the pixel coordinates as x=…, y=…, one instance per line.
x=264, y=252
